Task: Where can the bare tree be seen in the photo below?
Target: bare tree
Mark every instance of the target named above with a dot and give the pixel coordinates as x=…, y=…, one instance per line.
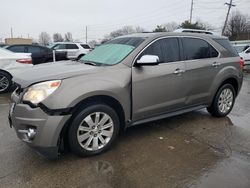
x=124, y=31
x=57, y=37
x=171, y=26
x=44, y=38
x=238, y=26
x=92, y=43
x=68, y=37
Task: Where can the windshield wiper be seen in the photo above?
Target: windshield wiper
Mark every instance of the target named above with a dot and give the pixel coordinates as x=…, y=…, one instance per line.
x=88, y=62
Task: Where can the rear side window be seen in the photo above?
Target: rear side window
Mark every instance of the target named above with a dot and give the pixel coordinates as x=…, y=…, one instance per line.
x=85, y=46
x=226, y=44
x=166, y=49
x=198, y=49
x=17, y=49
x=71, y=46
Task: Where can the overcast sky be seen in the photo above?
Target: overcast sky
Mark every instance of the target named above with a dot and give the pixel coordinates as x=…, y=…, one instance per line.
x=30, y=17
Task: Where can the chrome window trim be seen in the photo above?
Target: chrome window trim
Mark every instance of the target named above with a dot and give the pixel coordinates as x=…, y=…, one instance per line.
x=164, y=37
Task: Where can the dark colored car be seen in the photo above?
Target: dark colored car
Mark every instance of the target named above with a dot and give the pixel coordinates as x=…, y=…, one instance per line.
x=40, y=54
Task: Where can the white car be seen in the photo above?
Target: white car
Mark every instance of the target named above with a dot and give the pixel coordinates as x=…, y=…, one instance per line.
x=246, y=55
x=74, y=50
x=10, y=64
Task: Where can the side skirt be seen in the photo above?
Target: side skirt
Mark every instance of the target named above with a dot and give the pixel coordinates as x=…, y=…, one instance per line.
x=162, y=116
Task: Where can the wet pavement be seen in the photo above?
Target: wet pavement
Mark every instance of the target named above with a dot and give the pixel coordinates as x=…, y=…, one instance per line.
x=190, y=150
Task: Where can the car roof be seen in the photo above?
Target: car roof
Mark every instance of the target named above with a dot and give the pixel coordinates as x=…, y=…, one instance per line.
x=178, y=34
x=33, y=45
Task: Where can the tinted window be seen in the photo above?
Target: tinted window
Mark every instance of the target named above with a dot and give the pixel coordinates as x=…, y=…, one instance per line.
x=59, y=47
x=195, y=48
x=213, y=52
x=16, y=49
x=71, y=46
x=226, y=44
x=85, y=46
x=33, y=49
x=166, y=49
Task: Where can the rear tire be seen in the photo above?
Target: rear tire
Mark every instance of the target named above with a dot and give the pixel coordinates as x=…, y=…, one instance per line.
x=93, y=130
x=223, y=101
x=5, y=82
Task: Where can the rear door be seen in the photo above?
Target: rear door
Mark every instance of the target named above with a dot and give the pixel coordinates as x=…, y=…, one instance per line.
x=202, y=65
x=72, y=50
x=37, y=56
x=159, y=89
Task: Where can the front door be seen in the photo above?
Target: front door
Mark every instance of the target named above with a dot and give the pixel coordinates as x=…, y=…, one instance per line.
x=161, y=88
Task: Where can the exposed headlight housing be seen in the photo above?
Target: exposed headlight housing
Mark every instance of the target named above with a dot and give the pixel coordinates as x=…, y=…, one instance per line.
x=38, y=92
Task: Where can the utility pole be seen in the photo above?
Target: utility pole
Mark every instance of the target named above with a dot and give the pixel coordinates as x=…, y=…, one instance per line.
x=86, y=32
x=230, y=5
x=191, y=11
x=11, y=32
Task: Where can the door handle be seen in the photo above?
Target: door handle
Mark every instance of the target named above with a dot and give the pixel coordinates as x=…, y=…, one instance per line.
x=215, y=64
x=178, y=71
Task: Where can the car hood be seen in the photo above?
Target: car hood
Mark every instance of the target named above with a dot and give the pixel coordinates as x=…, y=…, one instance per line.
x=53, y=71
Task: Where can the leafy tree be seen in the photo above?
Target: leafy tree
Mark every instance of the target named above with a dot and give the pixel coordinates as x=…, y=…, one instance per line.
x=197, y=25
x=160, y=28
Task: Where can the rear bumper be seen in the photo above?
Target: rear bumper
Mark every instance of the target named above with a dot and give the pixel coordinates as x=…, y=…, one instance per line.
x=46, y=129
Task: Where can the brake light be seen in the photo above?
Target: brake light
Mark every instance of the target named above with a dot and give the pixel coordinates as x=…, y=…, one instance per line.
x=24, y=61
x=242, y=63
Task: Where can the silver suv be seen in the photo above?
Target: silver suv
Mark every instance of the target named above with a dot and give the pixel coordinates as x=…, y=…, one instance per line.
x=127, y=81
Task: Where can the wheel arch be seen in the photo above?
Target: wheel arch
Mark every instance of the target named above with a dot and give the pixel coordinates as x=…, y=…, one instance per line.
x=97, y=99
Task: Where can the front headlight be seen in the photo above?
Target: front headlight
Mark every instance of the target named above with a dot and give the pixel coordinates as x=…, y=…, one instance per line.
x=38, y=92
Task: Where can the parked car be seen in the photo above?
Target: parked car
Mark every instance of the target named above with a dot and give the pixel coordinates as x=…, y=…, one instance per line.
x=40, y=54
x=74, y=50
x=10, y=64
x=2, y=45
x=246, y=55
x=125, y=82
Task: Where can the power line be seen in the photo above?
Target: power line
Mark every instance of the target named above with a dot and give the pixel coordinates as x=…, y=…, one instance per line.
x=230, y=5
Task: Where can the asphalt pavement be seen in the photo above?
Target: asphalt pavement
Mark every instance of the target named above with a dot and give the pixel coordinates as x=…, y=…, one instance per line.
x=190, y=150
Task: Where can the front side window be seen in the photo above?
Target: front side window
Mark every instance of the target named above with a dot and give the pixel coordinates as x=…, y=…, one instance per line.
x=85, y=46
x=59, y=47
x=166, y=49
x=33, y=49
x=112, y=52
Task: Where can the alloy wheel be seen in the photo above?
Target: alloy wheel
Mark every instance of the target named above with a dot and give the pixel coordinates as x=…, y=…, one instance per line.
x=4, y=83
x=95, y=131
x=225, y=100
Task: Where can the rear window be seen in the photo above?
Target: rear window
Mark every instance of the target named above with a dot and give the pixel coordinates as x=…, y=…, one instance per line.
x=16, y=49
x=226, y=44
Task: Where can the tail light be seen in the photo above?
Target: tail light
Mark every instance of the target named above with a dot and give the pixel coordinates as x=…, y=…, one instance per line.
x=242, y=63
x=24, y=61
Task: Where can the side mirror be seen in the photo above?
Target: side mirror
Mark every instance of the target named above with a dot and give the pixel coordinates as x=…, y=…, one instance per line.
x=148, y=60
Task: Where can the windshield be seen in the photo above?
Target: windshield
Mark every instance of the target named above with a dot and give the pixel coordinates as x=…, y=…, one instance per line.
x=112, y=52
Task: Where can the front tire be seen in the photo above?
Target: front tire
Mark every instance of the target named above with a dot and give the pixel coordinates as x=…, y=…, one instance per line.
x=223, y=102
x=93, y=130
x=5, y=82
